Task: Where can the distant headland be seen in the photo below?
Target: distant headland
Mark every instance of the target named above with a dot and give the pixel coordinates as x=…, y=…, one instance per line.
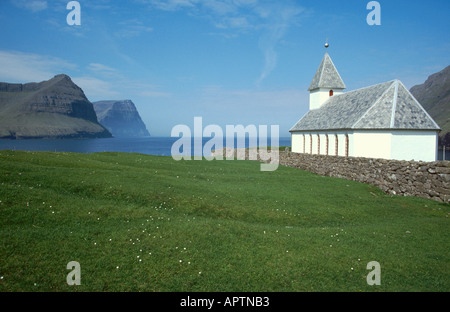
x=59, y=109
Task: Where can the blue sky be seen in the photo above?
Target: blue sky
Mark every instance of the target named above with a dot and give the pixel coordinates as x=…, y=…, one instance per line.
x=230, y=61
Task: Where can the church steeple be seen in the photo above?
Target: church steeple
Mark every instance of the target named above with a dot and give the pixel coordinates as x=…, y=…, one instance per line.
x=326, y=82
x=327, y=76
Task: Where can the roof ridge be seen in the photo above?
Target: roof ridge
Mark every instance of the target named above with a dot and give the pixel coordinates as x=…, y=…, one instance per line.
x=323, y=67
x=337, y=72
x=359, y=89
x=374, y=85
x=394, y=104
x=376, y=102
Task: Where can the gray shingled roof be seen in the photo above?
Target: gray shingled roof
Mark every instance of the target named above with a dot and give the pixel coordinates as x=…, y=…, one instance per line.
x=327, y=76
x=387, y=105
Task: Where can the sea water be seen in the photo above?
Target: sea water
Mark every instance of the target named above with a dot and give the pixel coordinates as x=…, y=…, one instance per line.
x=160, y=146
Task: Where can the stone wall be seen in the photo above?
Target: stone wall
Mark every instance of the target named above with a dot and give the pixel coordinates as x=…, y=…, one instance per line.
x=408, y=178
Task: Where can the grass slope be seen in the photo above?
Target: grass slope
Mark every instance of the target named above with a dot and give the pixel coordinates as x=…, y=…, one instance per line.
x=149, y=223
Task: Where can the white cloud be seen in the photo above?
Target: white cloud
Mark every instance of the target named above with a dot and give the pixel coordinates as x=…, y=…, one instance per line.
x=252, y=99
x=100, y=82
x=271, y=19
x=28, y=67
x=221, y=7
x=154, y=94
x=96, y=89
x=104, y=71
x=132, y=28
x=171, y=5
x=279, y=20
x=31, y=5
x=98, y=4
x=240, y=23
x=143, y=89
x=96, y=67
x=223, y=106
x=22, y=67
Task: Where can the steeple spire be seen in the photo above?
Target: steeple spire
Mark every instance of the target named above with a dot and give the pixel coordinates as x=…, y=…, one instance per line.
x=327, y=76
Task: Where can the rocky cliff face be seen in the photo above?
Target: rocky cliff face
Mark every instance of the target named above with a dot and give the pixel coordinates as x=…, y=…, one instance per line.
x=121, y=118
x=434, y=95
x=56, y=108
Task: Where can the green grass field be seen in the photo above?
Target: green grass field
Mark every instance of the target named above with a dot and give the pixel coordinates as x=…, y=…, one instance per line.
x=147, y=223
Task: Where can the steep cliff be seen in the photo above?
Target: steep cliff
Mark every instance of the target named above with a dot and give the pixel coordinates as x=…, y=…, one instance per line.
x=434, y=95
x=56, y=108
x=121, y=118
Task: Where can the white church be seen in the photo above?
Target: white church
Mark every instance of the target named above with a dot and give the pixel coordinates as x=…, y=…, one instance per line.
x=379, y=121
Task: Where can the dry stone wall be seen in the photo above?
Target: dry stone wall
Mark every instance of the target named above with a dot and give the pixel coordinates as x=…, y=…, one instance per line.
x=408, y=178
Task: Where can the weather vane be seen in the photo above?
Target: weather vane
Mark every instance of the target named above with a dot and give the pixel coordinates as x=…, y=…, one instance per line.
x=326, y=43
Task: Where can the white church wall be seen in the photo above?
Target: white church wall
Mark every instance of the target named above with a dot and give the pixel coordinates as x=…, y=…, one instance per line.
x=371, y=144
x=315, y=142
x=341, y=144
x=314, y=99
x=318, y=143
x=386, y=144
x=323, y=144
x=319, y=96
x=331, y=144
x=297, y=143
x=307, y=143
x=414, y=145
x=351, y=148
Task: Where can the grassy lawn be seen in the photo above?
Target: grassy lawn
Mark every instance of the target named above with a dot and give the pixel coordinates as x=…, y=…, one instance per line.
x=147, y=223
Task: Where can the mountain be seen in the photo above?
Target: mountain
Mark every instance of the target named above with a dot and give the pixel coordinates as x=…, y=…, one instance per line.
x=121, y=118
x=434, y=95
x=56, y=108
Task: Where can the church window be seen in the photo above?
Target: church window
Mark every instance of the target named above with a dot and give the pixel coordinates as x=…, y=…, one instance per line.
x=331, y=92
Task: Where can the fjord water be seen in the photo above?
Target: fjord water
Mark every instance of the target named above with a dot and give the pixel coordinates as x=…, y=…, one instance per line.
x=160, y=146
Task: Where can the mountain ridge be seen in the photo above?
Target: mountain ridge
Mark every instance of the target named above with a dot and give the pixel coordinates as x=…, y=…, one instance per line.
x=55, y=108
x=434, y=96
